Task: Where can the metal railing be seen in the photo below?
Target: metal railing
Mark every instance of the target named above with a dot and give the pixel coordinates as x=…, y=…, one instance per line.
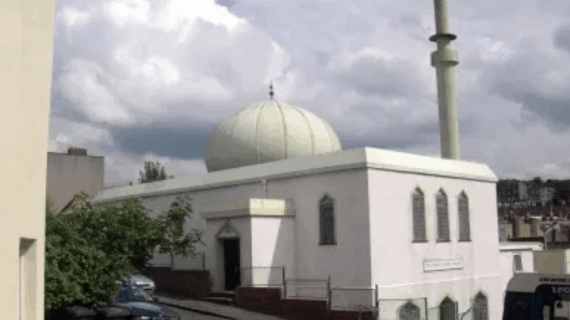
x=467, y=315
x=261, y=276
x=358, y=299
x=444, y=312
x=353, y=299
x=313, y=289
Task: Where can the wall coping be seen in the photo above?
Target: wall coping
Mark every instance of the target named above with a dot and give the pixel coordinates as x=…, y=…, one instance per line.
x=251, y=207
x=353, y=159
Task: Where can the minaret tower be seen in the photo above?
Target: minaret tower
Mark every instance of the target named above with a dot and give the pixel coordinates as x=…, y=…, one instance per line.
x=444, y=59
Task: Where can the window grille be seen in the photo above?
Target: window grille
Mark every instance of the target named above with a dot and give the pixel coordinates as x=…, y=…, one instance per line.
x=409, y=311
x=480, y=307
x=464, y=224
x=326, y=221
x=418, y=216
x=442, y=217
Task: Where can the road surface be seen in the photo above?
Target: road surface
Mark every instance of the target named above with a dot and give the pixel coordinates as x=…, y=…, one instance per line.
x=189, y=315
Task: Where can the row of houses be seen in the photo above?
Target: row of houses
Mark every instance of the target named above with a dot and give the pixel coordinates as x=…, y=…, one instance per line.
x=524, y=194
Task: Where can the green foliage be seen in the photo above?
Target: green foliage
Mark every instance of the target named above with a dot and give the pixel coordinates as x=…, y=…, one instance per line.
x=176, y=242
x=153, y=171
x=89, y=248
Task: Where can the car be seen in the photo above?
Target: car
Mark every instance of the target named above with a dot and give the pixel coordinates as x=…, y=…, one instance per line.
x=140, y=304
x=146, y=283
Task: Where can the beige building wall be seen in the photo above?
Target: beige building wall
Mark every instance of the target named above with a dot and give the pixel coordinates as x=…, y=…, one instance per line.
x=69, y=174
x=26, y=33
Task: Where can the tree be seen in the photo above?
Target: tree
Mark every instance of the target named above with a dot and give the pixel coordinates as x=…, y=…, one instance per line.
x=153, y=171
x=91, y=247
x=174, y=219
x=77, y=269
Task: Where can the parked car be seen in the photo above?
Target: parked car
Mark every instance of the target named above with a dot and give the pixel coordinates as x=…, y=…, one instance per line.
x=144, y=282
x=140, y=304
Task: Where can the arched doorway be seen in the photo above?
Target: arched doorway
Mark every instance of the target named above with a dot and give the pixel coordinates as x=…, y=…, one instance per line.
x=229, y=241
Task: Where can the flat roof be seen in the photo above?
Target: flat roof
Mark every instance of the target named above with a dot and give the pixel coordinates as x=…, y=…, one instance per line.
x=67, y=154
x=520, y=246
x=385, y=160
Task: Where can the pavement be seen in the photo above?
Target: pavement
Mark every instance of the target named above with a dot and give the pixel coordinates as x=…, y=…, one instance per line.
x=213, y=309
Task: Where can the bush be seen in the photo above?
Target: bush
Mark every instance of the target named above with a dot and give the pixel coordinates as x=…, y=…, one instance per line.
x=89, y=248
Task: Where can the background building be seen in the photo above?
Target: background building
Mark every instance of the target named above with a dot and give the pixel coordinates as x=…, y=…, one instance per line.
x=72, y=172
x=26, y=33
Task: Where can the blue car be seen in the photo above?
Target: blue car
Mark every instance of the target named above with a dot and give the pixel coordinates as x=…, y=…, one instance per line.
x=140, y=304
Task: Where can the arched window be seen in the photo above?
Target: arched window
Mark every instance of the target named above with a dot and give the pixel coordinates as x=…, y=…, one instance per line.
x=418, y=216
x=326, y=220
x=442, y=217
x=464, y=225
x=448, y=309
x=480, y=307
x=409, y=311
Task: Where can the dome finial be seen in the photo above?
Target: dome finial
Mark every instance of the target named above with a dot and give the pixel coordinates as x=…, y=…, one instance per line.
x=271, y=93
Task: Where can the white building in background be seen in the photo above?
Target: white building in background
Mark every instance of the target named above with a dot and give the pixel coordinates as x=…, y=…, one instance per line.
x=281, y=192
x=26, y=34
x=72, y=172
x=547, y=194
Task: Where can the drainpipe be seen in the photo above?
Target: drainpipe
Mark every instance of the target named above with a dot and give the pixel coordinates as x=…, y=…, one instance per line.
x=554, y=226
x=264, y=184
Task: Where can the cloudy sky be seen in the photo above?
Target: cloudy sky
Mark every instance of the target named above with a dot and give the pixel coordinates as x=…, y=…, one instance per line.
x=137, y=80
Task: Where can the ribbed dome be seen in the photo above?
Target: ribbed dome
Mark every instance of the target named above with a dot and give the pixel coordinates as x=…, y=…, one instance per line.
x=268, y=131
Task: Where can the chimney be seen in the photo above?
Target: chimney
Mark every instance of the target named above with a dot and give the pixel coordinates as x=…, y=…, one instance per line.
x=76, y=151
x=444, y=59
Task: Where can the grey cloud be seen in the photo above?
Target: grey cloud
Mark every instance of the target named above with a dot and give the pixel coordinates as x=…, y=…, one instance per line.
x=164, y=139
x=562, y=37
x=518, y=79
x=226, y=3
x=370, y=75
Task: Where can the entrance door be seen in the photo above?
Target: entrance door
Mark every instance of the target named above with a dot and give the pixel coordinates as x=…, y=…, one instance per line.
x=232, y=264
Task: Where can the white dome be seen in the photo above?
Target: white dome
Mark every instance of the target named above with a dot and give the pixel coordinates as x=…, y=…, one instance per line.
x=268, y=131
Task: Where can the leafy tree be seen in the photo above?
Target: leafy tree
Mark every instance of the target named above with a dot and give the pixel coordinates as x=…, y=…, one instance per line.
x=177, y=243
x=91, y=247
x=153, y=171
x=78, y=270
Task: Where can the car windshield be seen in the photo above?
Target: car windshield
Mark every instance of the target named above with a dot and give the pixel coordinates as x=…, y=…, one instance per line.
x=130, y=292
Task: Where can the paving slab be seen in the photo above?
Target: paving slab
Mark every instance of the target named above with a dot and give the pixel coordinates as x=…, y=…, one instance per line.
x=228, y=312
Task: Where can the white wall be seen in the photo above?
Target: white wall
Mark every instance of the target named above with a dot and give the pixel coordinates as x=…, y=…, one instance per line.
x=272, y=244
x=392, y=234
x=507, y=265
x=348, y=262
x=26, y=33
x=200, y=199
x=551, y=261
x=214, y=254
x=67, y=175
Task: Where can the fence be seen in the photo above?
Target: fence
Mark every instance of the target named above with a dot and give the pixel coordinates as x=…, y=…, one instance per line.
x=350, y=299
x=353, y=299
x=263, y=276
x=444, y=312
x=403, y=309
x=468, y=315
x=313, y=289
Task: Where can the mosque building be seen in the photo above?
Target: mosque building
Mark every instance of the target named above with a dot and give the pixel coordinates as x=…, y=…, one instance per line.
x=283, y=200
x=281, y=192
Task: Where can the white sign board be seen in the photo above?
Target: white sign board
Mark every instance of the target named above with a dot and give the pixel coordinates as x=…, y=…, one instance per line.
x=441, y=265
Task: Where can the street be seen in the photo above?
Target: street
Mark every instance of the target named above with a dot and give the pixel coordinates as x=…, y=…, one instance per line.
x=189, y=315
